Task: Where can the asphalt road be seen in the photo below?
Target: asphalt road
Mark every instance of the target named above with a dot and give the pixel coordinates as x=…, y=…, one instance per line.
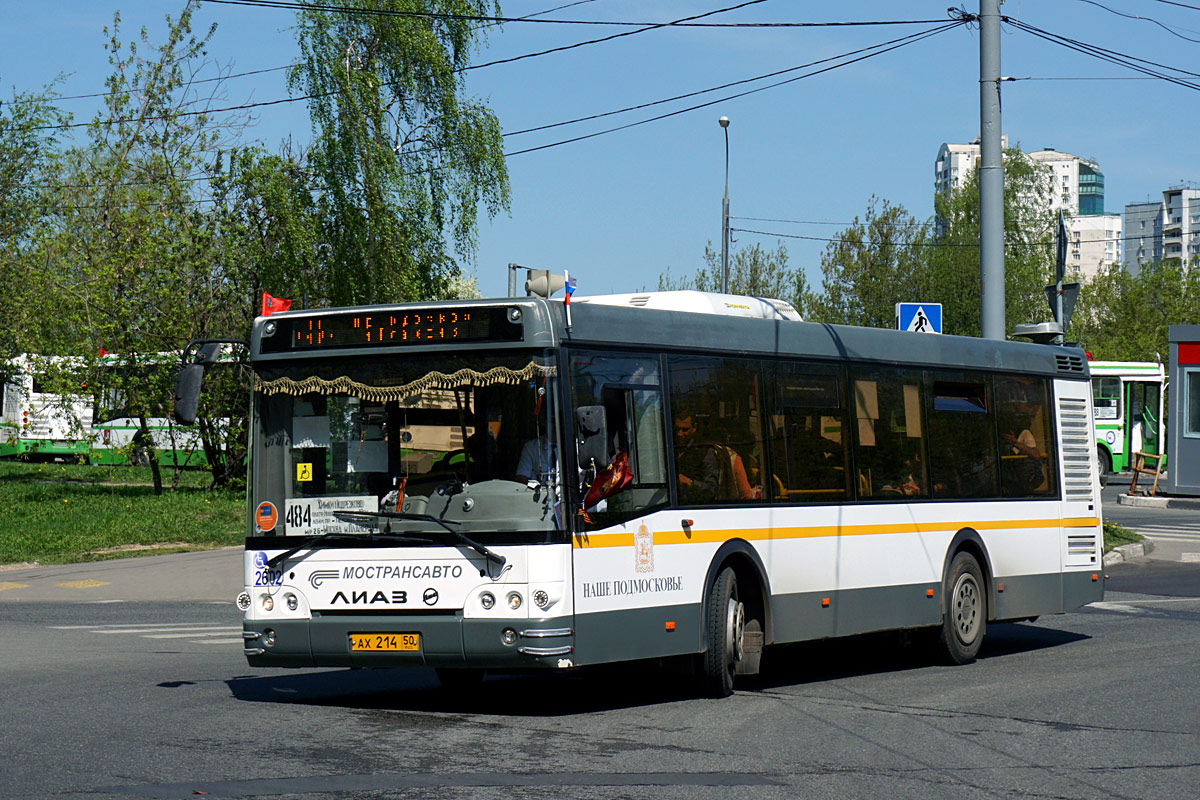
x=110, y=698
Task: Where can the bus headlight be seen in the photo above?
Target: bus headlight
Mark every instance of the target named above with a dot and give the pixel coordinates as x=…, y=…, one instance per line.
x=292, y=602
x=243, y=601
x=487, y=600
x=514, y=600
x=541, y=598
x=268, y=602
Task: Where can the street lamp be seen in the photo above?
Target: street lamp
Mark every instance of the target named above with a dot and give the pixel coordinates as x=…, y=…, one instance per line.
x=724, y=123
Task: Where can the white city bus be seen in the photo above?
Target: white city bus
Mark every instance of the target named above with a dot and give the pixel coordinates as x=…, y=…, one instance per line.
x=1127, y=401
x=496, y=484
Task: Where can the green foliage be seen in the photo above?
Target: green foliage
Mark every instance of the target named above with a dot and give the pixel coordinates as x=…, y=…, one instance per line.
x=874, y=264
x=1124, y=317
x=401, y=158
x=63, y=514
x=891, y=257
x=753, y=271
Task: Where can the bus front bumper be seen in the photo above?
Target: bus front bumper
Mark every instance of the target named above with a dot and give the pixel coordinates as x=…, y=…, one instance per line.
x=447, y=640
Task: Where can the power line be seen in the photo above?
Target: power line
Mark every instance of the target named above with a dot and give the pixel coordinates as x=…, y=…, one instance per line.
x=1111, y=56
x=712, y=88
x=686, y=22
x=916, y=38
x=1162, y=25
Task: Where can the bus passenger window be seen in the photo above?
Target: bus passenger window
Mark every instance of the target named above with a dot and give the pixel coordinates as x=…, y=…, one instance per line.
x=716, y=413
x=806, y=429
x=1027, y=466
x=889, y=444
x=962, y=449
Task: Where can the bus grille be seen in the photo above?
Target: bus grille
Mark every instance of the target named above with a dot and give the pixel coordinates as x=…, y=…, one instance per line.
x=1076, y=449
x=1069, y=364
x=1081, y=548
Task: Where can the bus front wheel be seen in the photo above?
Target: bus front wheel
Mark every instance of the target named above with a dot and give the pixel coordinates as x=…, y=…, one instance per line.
x=964, y=618
x=726, y=633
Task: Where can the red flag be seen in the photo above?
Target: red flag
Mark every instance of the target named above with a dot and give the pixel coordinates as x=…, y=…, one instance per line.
x=103, y=352
x=270, y=305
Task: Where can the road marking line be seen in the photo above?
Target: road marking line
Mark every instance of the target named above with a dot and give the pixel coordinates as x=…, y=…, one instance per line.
x=183, y=635
x=201, y=631
x=87, y=583
x=10, y=585
x=1191, y=558
x=221, y=641
x=1119, y=607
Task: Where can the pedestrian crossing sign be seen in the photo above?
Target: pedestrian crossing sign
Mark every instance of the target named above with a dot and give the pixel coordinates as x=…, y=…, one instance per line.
x=919, y=317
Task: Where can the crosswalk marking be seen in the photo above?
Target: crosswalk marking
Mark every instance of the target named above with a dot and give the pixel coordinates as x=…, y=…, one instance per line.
x=194, y=632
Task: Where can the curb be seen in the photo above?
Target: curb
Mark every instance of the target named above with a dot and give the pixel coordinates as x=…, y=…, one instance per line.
x=1127, y=552
x=1158, y=502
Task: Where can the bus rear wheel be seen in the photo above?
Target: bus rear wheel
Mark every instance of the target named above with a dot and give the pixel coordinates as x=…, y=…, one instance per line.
x=964, y=618
x=726, y=635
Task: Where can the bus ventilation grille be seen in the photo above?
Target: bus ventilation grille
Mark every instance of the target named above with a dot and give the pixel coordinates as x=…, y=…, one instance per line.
x=1081, y=549
x=1070, y=364
x=639, y=300
x=1076, y=449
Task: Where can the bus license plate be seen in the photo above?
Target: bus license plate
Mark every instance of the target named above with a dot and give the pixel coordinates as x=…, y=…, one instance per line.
x=386, y=642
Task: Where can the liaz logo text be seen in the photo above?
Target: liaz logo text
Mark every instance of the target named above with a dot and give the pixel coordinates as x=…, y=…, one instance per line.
x=394, y=598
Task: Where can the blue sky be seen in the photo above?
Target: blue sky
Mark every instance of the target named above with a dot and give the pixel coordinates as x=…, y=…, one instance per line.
x=619, y=209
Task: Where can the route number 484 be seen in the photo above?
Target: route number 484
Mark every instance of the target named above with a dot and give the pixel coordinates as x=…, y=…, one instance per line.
x=299, y=516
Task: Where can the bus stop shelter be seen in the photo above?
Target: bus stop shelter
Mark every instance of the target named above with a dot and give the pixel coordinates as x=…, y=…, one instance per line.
x=1183, y=425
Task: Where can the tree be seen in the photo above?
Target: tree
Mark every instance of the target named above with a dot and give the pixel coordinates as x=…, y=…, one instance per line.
x=871, y=266
x=952, y=270
x=128, y=261
x=753, y=271
x=890, y=257
x=27, y=145
x=1124, y=317
x=401, y=158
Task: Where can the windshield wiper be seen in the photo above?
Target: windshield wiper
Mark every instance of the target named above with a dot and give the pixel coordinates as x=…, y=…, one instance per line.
x=490, y=555
x=309, y=541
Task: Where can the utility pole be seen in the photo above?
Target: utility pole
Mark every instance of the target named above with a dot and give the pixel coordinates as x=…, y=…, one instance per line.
x=991, y=176
x=724, y=123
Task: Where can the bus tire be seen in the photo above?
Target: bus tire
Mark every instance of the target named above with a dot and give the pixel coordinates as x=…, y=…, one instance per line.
x=726, y=630
x=964, y=618
x=1106, y=464
x=458, y=679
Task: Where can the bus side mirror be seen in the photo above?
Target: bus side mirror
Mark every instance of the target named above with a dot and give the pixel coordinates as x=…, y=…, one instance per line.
x=592, y=444
x=187, y=393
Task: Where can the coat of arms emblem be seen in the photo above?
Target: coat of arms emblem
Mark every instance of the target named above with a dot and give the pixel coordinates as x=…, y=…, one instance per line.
x=643, y=549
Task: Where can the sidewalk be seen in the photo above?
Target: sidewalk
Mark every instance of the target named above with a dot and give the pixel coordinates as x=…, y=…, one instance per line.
x=1159, y=501
x=206, y=576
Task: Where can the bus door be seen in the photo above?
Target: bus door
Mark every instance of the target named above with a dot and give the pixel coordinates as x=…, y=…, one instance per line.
x=1142, y=418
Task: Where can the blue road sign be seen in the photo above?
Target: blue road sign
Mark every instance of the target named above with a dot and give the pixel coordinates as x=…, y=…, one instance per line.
x=919, y=317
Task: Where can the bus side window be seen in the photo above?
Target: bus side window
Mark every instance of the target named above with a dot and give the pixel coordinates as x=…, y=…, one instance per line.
x=889, y=439
x=1027, y=464
x=716, y=410
x=962, y=438
x=806, y=429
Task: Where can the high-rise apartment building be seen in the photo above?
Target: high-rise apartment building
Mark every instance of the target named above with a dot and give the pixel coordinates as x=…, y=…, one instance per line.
x=1075, y=186
x=1159, y=230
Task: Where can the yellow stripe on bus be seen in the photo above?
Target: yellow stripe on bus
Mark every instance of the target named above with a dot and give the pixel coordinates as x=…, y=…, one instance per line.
x=817, y=531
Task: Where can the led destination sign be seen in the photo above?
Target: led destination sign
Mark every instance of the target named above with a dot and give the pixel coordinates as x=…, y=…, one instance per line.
x=389, y=328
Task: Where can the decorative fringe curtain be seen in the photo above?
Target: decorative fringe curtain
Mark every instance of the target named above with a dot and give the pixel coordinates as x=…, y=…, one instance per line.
x=383, y=394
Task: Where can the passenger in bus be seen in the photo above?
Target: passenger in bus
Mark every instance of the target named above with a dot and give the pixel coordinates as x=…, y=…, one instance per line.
x=1021, y=459
x=707, y=471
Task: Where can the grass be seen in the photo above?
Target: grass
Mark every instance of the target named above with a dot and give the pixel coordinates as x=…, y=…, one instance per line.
x=65, y=513
x=1115, y=536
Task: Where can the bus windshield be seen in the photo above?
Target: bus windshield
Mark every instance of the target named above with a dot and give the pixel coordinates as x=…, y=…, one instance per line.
x=383, y=443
